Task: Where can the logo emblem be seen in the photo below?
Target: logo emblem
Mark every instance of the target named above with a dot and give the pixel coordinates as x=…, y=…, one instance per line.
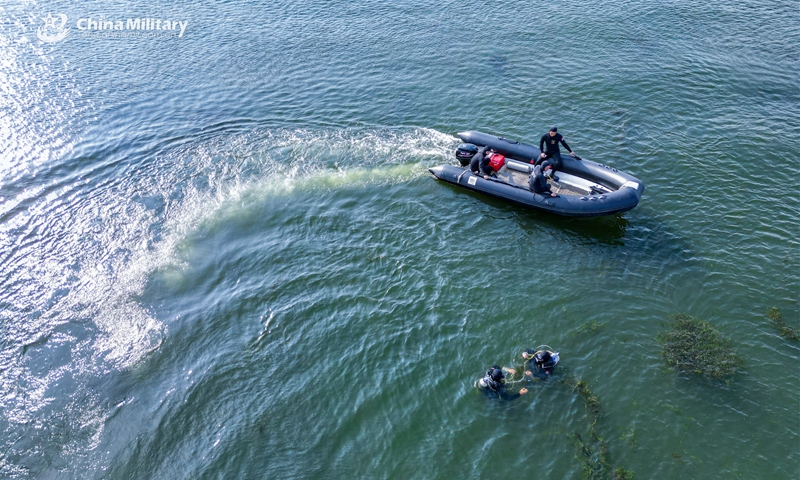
x=52, y=31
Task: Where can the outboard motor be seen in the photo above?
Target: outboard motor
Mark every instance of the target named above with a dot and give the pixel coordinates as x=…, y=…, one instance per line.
x=465, y=152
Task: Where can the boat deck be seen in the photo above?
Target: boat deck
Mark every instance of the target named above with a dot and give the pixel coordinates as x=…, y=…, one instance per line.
x=562, y=187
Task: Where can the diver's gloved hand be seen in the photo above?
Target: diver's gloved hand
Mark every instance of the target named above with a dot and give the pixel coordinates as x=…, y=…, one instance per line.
x=523, y=391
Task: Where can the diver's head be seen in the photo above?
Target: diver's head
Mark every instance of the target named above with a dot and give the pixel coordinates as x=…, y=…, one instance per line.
x=546, y=166
x=542, y=357
x=497, y=374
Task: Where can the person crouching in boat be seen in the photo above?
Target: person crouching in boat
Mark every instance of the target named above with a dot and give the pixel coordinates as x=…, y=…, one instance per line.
x=476, y=161
x=493, y=384
x=540, y=363
x=538, y=182
x=480, y=164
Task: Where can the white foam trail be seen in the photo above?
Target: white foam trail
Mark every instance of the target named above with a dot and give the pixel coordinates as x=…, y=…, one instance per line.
x=291, y=161
x=236, y=171
x=82, y=255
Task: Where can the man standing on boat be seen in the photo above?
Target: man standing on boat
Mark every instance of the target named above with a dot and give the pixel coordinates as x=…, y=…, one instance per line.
x=548, y=145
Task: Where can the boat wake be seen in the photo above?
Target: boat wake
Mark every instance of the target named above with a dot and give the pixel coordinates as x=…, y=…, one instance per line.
x=80, y=250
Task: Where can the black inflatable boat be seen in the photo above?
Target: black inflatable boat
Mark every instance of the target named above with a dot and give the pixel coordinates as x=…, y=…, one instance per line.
x=584, y=188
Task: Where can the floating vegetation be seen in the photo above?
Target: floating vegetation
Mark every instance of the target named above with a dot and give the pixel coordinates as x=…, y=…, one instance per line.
x=595, y=465
x=630, y=436
x=589, y=399
x=694, y=346
x=622, y=474
x=785, y=331
x=591, y=327
x=673, y=408
x=593, y=456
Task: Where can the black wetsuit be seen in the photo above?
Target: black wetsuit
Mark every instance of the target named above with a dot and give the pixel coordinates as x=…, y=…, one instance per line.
x=541, y=371
x=496, y=389
x=549, y=146
x=538, y=183
x=480, y=163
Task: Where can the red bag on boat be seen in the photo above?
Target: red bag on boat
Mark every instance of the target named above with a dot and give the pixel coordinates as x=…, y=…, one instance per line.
x=497, y=161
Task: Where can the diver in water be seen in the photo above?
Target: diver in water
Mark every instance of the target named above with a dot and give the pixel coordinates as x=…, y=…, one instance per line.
x=494, y=384
x=540, y=362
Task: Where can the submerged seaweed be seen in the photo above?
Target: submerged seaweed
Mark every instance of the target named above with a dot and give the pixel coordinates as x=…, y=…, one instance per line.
x=595, y=466
x=785, y=331
x=694, y=346
x=622, y=474
x=590, y=327
x=593, y=455
x=589, y=399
